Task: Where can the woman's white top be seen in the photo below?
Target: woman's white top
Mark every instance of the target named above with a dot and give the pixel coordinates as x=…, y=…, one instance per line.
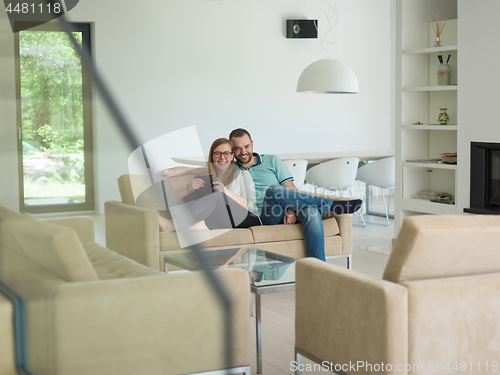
x=243, y=186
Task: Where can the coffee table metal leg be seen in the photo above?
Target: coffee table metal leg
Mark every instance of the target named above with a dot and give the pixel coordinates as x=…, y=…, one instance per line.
x=258, y=327
x=298, y=362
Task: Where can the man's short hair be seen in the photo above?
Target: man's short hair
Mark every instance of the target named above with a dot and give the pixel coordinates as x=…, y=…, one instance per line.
x=237, y=133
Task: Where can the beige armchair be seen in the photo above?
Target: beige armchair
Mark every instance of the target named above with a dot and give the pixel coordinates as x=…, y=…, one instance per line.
x=92, y=311
x=437, y=307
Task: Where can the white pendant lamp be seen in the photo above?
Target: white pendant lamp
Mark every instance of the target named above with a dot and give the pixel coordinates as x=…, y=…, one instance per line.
x=328, y=76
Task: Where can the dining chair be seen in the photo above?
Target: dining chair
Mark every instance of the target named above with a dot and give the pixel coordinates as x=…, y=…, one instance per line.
x=337, y=175
x=380, y=173
x=297, y=168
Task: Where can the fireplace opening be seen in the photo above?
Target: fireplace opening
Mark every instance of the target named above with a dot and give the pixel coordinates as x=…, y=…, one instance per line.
x=484, y=178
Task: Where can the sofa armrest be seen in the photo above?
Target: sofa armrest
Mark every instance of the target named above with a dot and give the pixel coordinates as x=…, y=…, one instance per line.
x=133, y=232
x=166, y=324
x=342, y=316
x=345, y=231
x=83, y=226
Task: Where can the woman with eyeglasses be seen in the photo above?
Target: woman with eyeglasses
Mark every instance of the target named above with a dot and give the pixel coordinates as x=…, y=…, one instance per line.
x=232, y=205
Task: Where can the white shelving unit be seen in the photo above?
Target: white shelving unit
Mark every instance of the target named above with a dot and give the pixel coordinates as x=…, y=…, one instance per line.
x=418, y=99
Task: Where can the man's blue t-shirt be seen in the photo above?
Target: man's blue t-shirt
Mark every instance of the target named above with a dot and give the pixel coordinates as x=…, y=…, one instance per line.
x=269, y=170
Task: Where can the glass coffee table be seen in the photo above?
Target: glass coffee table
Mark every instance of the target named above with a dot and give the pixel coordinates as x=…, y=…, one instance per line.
x=269, y=273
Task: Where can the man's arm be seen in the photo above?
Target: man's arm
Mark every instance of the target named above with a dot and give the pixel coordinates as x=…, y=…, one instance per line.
x=289, y=184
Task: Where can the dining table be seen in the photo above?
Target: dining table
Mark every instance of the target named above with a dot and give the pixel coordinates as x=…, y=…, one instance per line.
x=313, y=158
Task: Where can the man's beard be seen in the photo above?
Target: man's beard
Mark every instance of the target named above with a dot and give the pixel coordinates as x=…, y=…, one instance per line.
x=244, y=160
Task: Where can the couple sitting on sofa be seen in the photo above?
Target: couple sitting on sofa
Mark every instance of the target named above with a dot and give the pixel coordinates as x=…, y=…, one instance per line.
x=254, y=190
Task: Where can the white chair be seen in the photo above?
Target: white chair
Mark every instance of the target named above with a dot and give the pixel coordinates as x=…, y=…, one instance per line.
x=297, y=168
x=338, y=174
x=380, y=173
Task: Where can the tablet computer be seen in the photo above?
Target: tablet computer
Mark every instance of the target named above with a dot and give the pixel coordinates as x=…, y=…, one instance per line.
x=207, y=189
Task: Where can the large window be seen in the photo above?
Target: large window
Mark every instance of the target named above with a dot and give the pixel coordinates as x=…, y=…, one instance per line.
x=54, y=121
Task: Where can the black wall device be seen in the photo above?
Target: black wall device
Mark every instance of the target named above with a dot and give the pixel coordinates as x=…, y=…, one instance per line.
x=301, y=29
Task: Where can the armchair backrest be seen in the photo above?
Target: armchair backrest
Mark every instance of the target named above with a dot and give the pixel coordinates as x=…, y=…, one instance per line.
x=438, y=246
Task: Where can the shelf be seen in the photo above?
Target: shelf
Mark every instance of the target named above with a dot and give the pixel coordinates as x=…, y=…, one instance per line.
x=431, y=88
x=430, y=127
x=420, y=98
x=428, y=51
x=429, y=165
x=428, y=207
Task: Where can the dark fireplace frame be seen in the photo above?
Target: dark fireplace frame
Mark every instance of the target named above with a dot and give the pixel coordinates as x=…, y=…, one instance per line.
x=480, y=167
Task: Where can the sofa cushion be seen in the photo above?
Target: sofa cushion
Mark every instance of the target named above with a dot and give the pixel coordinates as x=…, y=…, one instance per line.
x=217, y=237
x=274, y=233
x=5, y=214
x=297, y=248
x=109, y=265
x=7, y=238
x=54, y=248
x=435, y=246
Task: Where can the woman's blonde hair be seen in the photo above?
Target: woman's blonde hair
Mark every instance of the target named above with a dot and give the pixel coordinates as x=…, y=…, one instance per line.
x=228, y=176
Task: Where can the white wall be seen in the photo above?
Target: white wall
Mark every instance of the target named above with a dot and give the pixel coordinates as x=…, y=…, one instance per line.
x=9, y=192
x=479, y=86
x=226, y=64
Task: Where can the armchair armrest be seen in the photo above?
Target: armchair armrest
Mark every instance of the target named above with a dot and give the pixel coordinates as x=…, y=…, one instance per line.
x=7, y=343
x=343, y=316
x=133, y=232
x=166, y=324
x=83, y=226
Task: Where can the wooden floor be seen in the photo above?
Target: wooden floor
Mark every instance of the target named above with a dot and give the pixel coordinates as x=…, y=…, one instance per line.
x=372, y=246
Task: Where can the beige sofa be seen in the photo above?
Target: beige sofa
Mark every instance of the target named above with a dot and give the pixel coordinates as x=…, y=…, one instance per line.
x=438, y=303
x=92, y=311
x=133, y=231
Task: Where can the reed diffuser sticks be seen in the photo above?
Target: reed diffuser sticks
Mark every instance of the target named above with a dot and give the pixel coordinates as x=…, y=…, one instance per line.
x=438, y=27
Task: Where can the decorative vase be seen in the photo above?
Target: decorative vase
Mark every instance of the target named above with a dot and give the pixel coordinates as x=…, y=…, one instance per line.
x=443, y=117
x=444, y=74
x=437, y=43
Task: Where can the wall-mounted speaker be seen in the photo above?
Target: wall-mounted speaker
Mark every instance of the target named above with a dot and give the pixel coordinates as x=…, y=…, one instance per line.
x=301, y=29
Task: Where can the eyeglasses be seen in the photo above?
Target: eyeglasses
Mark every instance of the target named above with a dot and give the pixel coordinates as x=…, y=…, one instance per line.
x=226, y=154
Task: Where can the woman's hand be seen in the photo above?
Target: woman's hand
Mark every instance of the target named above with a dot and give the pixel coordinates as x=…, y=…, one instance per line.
x=220, y=187
x=195, y=184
